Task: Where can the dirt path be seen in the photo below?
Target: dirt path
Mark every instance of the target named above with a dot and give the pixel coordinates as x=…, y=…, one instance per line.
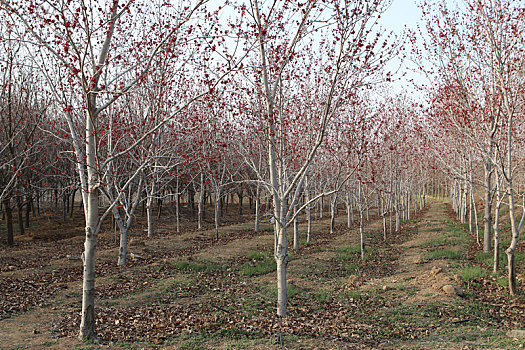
x=424, y=277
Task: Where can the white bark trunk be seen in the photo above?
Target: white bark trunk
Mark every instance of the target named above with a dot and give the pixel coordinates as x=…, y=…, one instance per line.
x=295, y=230
x=201, y=204
x=87, y=324
x=362, y=235
x=149, y=210
x=257, y=209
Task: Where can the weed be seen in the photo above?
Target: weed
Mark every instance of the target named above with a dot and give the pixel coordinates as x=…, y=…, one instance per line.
x=351, y=294
x=292, y=291
x=503, y=281
x=262, y=263
x=353, y=268
x=49, y=343
x=193, y=341
x=348, y=252
x=303, y=242
x=322, y=296
x=445, y=254
x=258, y=255
x=258, y=268
x=471, y=273
x=435, y=242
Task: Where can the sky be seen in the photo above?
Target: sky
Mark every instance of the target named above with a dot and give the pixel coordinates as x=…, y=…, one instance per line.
x=400, y=15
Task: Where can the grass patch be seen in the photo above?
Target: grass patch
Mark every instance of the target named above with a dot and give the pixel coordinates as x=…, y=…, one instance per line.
x=471, y=273
x=353, y=268
x=259, y=268
x=487, y=259
x=258, y=255
x=205, y=266
x=348, y=252
x=434, y=242
x=322, y=296
x=194, y=341
x=262, y=262
x=303, y=242
x=293, y=291
x=453, y=254
x=351, y=295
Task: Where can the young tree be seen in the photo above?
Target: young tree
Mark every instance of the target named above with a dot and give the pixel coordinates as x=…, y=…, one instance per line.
x=353, y=53
x=480, y=49
x=90, y=57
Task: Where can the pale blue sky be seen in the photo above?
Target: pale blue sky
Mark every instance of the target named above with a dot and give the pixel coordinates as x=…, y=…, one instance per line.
x=400, y=15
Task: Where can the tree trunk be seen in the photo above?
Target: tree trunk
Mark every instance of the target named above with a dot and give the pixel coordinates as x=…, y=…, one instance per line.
x=149, y=211
x=72, y=202
x=476, y=219
x=257, y=209
x=496, y=235
x=9, y=222
x=383, y=213
x=515, y=228
x=487, y=219
x=281, y=259
x=333, y=205
x=390, y=219
x=308, y=211
x=362, y=234
x=177, y=212
x=87, y=324
x=123, y=249
x=398, y=219
x=177, y=204
x=201, y=204
x=218, y=209
x=159, y=207
x=149, y=214
x=348, y=210
x=240, y=194
x=20, y=208
x=28, y=210
x=295, y=230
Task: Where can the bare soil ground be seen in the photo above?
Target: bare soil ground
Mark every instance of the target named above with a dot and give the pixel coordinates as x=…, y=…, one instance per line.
x=189, y=291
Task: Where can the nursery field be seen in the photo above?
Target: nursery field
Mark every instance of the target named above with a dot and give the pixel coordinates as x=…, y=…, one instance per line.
x=424, y=287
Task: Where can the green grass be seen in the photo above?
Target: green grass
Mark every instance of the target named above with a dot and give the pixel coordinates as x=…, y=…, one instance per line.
x=262, y=262
x=322, y=296
x=471, y=273
x=434, y=242
x=348, y=252
x=303, y=242
x=257, y=255
x=270, y=292
x=194, y=341
x=205, y=266
x=350, y=294
x=453, y=254
x=259, y=268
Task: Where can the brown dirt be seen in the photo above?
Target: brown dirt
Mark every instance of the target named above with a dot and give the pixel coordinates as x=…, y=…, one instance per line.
x=427, y=277
x=421, y=280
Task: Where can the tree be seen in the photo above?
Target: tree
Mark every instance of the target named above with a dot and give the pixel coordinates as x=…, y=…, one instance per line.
x=90, y=57
x=480, y=49
x=352, y=56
